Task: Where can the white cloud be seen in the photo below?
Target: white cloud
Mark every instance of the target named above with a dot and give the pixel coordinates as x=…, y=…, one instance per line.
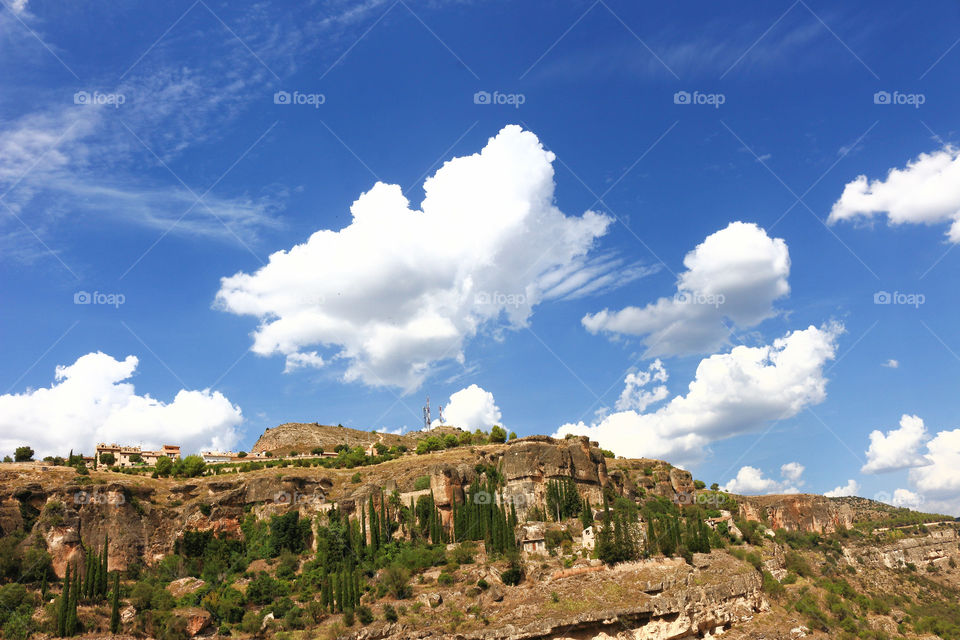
x=934, y=475
x=927, y=192
x=471, y=408
x=891, y=364
x=401, y=289
x=849, y=489
x=303, y=360
x=792, y=471
x=89, y=402
x=752, y=481
x=906, y=498
x=940, y=479
x=736, y=273
x=731, y=394
x=898, y=448
x=634, y=396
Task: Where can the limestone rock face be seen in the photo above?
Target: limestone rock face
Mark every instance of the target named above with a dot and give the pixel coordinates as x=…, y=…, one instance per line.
x=936, y=548
x=798, y=512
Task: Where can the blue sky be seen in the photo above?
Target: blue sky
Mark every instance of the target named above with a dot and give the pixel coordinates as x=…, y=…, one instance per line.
x=146, y=153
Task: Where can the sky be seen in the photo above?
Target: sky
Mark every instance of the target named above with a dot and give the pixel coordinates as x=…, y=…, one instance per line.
x=718, y=234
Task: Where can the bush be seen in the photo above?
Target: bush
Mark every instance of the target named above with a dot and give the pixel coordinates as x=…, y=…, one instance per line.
x=389, y=613
x=445, y=579
x=364, y=614
x=348, y=618
x=396, y=580
x=498, y=434
x=251, y=622
x=421, y=483
x=23, y=454
x=771, y=586
x=355, y=478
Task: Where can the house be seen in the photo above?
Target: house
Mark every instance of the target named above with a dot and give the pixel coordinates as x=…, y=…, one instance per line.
x=217, y=456
x=589, y=538
x=125, y=456
x=533, y=539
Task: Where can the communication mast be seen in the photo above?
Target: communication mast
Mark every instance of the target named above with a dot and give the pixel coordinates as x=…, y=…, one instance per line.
x=426, y=415
x=440, y=413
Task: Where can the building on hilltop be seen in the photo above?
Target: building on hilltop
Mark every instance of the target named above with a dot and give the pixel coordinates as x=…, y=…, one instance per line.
x=218, y=456
x=122, y=454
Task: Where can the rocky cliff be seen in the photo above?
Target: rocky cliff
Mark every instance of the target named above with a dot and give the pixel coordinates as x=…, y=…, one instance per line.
x=798, y=512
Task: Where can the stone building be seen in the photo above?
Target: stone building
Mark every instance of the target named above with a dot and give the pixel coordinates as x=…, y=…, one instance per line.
x=122, y=454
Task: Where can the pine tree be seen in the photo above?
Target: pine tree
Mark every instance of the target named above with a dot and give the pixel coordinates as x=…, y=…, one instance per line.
x=115, y=606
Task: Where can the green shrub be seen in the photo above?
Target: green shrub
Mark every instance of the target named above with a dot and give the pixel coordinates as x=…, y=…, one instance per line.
x=445, y=579
x=364, y=614
x=421, y=483
x=389, y=613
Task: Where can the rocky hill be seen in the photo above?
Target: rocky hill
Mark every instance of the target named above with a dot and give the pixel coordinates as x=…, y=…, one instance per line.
x=777, y=555
x=305, y=436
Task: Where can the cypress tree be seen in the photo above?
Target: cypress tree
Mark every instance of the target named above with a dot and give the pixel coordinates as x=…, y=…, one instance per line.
x=115, y=606
x=363, y=527
x=72, y=621
x=326, y=595
x=374, y=527
x=104, y=565
x=64, y=604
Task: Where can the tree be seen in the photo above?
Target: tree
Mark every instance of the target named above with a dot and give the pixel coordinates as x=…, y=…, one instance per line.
x=699, y=484
x=135, y=458
x=498, y=434
x=192, y=466
x=164, y=466
x=115, y=606
x=715, y=487
x=241, y=454
x=23, y=454
x=513, y=435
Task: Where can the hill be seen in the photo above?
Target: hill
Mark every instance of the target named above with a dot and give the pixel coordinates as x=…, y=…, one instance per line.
x=482, y=541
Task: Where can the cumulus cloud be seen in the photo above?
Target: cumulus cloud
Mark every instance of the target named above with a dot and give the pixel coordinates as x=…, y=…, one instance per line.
x=891, y=364
x=898, y=448
x=792, y=471
x=303, y=360
x=736, y=274
x=940, y=479
x=934, y=463
x=89, y=402
x=752, y=481
x=471, y=408
x=635, y=396
x=926, y=191
x=731, y=394
x=906, y=498
x=849, y=489
x=400, y=289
